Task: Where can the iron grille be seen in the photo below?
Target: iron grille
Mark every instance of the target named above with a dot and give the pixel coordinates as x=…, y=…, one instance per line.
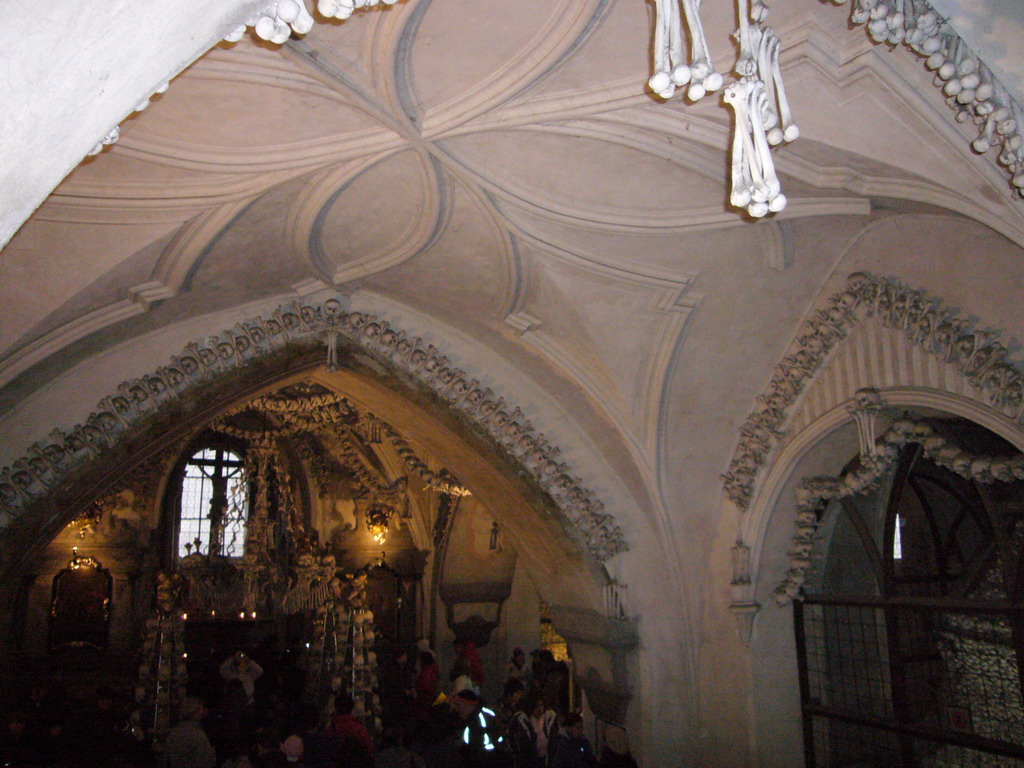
x=910, y=683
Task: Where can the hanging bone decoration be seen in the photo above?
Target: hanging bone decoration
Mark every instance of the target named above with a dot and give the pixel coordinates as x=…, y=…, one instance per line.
x=670, y=70
x=754, y=183
x=302, y=411
x=762, y=114
x=276, y=22
x=759, y=58
x=342, y=9
x=758, y=99
x=969, y=87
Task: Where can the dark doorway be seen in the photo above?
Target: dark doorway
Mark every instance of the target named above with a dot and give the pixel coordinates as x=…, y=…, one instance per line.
x=910, y=648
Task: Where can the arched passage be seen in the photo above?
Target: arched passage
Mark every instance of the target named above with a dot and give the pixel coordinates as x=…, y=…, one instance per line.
x=866, y=354
x=64, y=469
x=828, y=494
x=529, y=516
x=130, y=437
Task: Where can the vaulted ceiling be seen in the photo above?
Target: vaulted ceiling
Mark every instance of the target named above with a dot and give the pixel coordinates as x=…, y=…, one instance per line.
x=496, y=178
x=504, y=172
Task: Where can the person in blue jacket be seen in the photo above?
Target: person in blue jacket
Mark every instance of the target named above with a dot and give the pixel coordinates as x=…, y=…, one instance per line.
x=570, y=748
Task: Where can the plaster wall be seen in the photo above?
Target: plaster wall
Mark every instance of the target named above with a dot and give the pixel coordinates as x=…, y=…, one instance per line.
x=70, y=94
x=774, y=685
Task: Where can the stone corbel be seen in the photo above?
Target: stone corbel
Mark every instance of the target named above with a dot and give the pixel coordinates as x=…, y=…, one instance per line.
x=744, y=613
x=473, y=611
x=866, y=407
x=742, y=607
x=601, y=649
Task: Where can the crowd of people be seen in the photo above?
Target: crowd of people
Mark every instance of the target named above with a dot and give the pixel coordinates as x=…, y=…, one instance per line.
x=253, y=718
x=46, y=726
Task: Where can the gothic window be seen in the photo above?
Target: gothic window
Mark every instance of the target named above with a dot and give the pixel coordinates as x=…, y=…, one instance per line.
x=214, y=504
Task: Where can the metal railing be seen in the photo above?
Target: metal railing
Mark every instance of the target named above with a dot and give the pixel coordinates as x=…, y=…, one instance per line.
x=910, y=683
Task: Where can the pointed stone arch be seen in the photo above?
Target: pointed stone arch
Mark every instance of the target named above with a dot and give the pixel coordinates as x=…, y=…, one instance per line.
x=875, y=336
x=559, y=528
x=57, y=476
x=937, y=335
x=810, y=471
x=862, y=357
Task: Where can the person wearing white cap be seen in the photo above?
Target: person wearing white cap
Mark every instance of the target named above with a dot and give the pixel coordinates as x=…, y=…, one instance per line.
x=293, y=749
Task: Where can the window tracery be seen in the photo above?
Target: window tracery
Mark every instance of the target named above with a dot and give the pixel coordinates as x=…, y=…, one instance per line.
x=214, y=507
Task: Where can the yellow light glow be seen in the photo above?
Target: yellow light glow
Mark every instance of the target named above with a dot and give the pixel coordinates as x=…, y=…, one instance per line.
x=379, y=533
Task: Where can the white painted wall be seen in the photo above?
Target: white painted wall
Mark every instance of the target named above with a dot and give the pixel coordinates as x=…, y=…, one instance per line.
x=71, y=71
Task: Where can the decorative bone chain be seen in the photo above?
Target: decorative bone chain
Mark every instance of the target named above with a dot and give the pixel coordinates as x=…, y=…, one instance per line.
x=276, y=21
x=758, y=98
x=762, y=114
x=814, y=492
x=968, y=85
x=927, y=323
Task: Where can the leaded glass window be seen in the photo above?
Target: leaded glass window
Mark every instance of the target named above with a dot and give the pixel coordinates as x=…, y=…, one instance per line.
x=214, y=504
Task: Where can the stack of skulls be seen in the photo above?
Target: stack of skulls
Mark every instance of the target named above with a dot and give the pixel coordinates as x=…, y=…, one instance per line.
x=162, y=675
x=341, y=650
x=355, y=660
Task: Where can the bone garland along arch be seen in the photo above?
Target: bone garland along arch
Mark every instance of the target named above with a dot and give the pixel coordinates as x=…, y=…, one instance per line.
x=813, y=493
x=927, y=323
x=47, y=463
